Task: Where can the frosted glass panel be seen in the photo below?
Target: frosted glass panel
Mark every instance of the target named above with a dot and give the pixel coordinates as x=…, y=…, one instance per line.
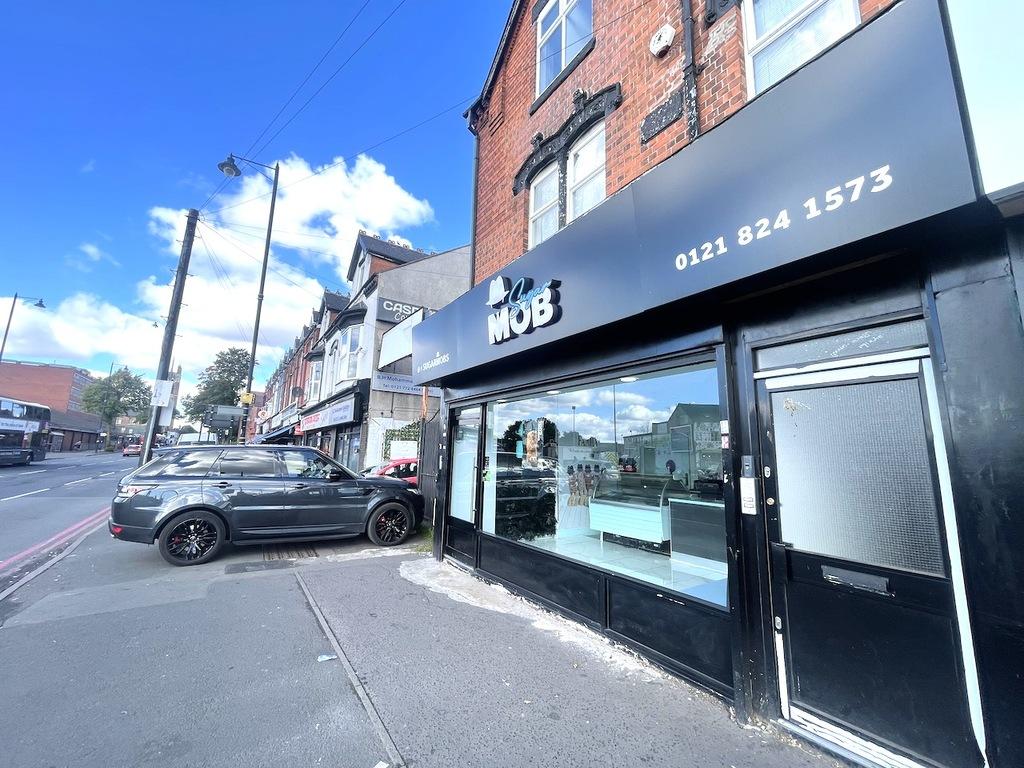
x=464, y=466
x=864, y=341
x=854, y=477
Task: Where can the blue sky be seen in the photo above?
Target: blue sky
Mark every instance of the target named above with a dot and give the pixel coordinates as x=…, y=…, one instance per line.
x=115, y=109
x=116, y=114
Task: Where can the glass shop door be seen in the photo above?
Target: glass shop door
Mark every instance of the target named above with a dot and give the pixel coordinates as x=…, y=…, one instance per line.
x=464, y=489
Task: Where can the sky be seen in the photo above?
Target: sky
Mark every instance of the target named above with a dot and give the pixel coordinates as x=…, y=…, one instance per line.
x=117, y=113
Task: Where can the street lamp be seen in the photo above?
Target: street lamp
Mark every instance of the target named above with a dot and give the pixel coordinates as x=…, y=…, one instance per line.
x=230, y=169
x=38, y=304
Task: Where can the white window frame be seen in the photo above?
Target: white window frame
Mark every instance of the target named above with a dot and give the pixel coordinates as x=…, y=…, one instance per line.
x=313, y=383
x=558, y=27
x=752, y=45
x=573, y=183
x=550, y=169
x=355, y=338
x=329, y=379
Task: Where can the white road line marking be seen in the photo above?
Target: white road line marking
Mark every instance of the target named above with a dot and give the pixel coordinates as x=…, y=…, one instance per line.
x=106, y=474
x=33, y=472
x=29, y=493
x=82, y=480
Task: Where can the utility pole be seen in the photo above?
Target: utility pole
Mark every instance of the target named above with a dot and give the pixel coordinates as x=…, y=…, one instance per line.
x=247, y=405
x=171, y=329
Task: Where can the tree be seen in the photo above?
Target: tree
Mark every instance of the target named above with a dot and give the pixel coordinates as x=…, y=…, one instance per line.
x=116, y=395
x=220, y=384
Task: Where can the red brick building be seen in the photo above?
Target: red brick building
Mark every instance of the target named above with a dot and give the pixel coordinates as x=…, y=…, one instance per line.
x=56, y=386
x=693, y=233
x=603, y=92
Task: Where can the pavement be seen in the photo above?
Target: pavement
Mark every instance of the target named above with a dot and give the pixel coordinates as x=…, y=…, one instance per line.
x=339, y=654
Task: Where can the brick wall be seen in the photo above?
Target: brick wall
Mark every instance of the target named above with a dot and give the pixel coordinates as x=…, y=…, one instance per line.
x=622, y=31
x=44, y=384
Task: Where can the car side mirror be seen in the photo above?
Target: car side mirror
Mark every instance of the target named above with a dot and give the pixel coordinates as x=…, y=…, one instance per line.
x=334, y=475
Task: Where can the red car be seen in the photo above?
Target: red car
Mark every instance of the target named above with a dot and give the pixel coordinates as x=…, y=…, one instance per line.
x=132, y=449
x=403, y=469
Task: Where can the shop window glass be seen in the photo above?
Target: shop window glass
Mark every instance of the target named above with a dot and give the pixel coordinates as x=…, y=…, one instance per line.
x=624, y=475
x=783, y=34
x=464, y=465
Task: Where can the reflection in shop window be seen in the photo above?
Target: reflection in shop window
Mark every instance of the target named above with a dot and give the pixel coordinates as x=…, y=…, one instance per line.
x=625, y=475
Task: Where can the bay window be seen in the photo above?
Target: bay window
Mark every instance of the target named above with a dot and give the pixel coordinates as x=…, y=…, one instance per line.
x=783, y=34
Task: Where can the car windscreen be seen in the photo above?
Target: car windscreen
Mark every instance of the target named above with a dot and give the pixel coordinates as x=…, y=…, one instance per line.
x=180, y=464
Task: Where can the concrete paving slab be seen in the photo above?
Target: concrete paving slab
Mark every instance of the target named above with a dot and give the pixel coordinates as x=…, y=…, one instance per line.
x=465, y=674
x=229, y=677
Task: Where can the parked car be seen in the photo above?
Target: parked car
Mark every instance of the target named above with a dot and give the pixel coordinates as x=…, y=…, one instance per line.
x=189, y=501
x=132, y=449
x=403, y=469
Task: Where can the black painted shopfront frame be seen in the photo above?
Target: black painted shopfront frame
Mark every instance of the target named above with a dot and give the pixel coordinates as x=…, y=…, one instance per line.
x=668, y=627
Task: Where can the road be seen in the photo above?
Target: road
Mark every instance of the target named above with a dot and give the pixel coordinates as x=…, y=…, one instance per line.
x=46, y=505
x=328, y=654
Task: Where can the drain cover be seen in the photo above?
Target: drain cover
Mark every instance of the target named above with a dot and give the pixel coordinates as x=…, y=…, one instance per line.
x=289, y=551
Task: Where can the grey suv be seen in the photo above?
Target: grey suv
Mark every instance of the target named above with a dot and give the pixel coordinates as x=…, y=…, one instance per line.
x=189, y=501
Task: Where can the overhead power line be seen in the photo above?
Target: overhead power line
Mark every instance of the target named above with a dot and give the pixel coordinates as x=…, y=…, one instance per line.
x=309, y=74
x=241, y=249
x=225, y=282
x=224, y=182
x=334, y=74
x=530, y=64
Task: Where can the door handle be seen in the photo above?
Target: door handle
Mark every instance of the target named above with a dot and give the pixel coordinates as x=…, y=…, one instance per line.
x=299, y=485
x=221, y=484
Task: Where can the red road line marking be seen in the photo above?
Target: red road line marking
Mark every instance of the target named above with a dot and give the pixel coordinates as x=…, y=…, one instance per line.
x=56, y=539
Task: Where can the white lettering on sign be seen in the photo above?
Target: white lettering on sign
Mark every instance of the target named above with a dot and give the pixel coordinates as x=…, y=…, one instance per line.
x=398, y=307
x=849, y=192
x=525, y=308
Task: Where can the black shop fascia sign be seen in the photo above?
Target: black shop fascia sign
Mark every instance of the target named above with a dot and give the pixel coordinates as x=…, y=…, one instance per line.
x=864, y=139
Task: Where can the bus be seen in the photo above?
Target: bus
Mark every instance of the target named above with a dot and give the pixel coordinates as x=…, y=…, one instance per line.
x=24, y=429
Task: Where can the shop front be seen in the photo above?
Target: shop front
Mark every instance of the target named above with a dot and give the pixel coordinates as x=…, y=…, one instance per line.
x=335, y=427
x=739, y=416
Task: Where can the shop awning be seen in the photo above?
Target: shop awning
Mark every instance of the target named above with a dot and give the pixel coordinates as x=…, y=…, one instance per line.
x=396, y=343
x=276, y=434
x=781, y=180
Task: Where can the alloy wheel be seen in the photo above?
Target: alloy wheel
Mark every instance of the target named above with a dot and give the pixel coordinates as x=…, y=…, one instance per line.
x=192, y=539
x=392, y=525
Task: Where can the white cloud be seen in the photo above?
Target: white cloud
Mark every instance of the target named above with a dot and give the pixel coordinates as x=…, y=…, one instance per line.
x=89, y=166
x=88, y=256
x=320, y=215
x=318, y=219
